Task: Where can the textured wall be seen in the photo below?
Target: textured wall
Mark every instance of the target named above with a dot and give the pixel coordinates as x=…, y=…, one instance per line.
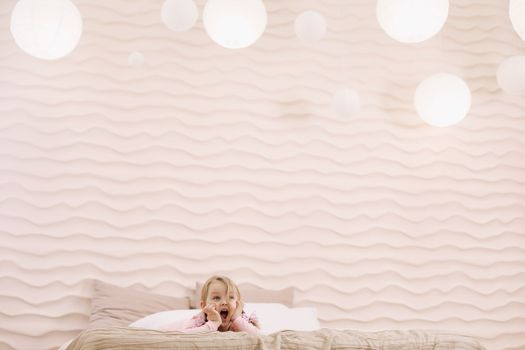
x=208, y=160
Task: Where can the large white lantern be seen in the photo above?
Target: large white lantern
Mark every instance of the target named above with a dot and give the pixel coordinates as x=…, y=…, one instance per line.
x=442, y=100
x=517, y=16
x=47, y=29
x=310, y=26
x=179, y=15
x=411, y=21
x=511, y=75
x=234, y=24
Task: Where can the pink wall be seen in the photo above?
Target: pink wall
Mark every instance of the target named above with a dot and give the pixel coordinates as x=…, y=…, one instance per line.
x=209, y=160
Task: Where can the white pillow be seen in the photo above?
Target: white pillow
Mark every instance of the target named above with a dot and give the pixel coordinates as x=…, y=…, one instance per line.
x=273, y=317
x=159, y=319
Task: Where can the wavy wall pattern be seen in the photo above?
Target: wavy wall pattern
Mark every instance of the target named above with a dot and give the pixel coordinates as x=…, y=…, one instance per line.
x=208, y=160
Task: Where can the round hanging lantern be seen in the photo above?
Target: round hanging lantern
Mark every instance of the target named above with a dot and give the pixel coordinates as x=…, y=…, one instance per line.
x=46, y=29
x=511, y=75
x=136, y=59
x=234, y=24
x=411, y=21
x=517, y=16
x=310, y=26
x=442, y=100
x=179, y=15
x=346, y=102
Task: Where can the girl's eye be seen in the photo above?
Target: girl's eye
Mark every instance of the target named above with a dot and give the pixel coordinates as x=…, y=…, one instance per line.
x=231, y=297
x=215, y=298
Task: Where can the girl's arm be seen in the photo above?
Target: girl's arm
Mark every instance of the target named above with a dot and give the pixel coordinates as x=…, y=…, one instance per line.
x=242, y=324
x=193, y=325
x=209, y=326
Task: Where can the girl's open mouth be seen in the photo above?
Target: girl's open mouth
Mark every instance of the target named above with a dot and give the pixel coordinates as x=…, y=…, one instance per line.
x=224, y=314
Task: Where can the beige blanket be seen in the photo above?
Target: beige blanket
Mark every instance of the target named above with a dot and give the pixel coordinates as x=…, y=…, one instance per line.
x=139, y=339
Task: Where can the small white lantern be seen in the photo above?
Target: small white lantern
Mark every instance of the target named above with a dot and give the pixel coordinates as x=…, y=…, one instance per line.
x=346, y=102
x=310, y=26
x=517, y=16
x=511, y=75
x=411, y=21
x=46, y=29
x=234, y=24
x=442, y=100
x=179, y=15
x=136, y=59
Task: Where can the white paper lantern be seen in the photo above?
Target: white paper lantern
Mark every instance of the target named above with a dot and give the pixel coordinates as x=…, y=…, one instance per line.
x=346, y=102
x=517, y=16
x=234, y=23
x=411, y=21
x=511, y=75
x=310, y=26
x=179, y=15
x=136, y=59
x=442, y=100
x=46, y=29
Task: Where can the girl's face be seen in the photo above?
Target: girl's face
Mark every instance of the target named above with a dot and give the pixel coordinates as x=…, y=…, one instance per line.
x=225, y=304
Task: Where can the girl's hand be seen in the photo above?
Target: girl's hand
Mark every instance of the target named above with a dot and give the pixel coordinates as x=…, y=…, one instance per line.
x=211, y=313
x=256, y=323
x=238, y=310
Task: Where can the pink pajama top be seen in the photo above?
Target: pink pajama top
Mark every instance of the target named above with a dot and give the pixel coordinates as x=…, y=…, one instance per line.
x=198, y=323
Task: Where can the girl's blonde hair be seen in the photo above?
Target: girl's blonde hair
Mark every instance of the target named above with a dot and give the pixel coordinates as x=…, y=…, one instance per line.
x=230, y=286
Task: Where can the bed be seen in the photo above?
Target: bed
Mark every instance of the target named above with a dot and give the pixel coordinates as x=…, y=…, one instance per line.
x=120, y=338
x=116, y=311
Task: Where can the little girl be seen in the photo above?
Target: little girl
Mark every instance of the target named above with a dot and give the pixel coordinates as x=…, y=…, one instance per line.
x=222, y=310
